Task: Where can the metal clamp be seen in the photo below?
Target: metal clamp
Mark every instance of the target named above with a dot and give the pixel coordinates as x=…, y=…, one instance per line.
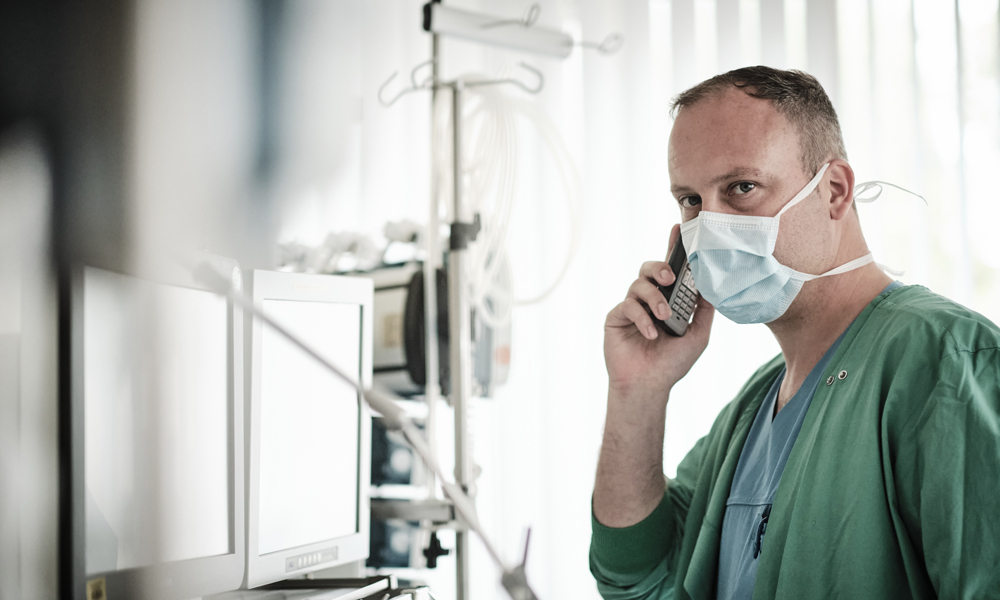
x=463, y=233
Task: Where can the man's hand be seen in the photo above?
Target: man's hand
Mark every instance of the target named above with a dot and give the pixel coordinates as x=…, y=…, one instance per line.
x=643, y=364
x=640, y=356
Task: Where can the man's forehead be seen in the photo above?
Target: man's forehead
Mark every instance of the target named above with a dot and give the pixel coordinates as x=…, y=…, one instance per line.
x=729, y=111
x=728, y=131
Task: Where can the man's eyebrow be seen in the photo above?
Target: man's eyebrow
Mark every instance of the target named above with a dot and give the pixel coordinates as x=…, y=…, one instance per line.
x=737, y=173
x=677, y=189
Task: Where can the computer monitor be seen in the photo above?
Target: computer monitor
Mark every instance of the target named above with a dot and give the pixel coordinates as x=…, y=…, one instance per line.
x=156, y=429
x=308, y=432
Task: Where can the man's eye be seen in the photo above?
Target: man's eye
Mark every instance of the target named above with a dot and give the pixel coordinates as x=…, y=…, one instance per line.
x=689, y=201
x=743, y=187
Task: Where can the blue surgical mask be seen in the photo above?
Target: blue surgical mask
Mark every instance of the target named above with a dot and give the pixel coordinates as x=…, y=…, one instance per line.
x=733, y=265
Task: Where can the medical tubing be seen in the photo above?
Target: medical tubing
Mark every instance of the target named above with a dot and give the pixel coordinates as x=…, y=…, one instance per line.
x=490, y=174
x=492, y=255
x=485, y=133
x=570, y=180
x=487, y=254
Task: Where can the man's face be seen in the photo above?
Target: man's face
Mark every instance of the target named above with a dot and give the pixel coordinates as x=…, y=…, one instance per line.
x=736, y=154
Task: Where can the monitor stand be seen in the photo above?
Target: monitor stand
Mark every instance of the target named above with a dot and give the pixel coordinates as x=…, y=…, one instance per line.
x=316, y=589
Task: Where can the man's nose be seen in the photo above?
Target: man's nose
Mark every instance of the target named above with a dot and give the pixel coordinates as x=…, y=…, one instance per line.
x=712, y=202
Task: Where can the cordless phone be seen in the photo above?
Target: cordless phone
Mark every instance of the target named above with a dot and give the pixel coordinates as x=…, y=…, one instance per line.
x=681, y=295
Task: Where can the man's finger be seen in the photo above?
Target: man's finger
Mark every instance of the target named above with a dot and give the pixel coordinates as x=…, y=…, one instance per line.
x=637, y=314
x=642, y=289
x=657, y=271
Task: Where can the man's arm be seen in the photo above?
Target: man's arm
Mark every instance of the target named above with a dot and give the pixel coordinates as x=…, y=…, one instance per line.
x=638, y=562
x=630, y=548
x=630, y=480
x=945, y=470
x=643, y=365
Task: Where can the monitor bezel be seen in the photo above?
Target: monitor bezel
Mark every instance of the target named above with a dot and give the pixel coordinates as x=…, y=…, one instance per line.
x=178, y=580
x=276, y=285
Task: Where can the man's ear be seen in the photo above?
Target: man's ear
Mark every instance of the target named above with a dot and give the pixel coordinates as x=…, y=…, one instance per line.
x=840, y=176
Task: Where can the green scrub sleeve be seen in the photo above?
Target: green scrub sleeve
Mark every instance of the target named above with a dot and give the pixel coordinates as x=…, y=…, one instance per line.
x=946, y=472
x=636, y=561
x=634, y=549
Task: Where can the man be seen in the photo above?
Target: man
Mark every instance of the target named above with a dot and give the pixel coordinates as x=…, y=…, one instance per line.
x=864, y=460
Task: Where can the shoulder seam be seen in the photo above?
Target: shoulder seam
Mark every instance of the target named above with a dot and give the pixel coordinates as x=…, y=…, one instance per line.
x=937, y=324
x=915, y=415
x=968, y=351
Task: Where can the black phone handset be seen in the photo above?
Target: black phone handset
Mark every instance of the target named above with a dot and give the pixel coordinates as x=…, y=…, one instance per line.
x=681, y=295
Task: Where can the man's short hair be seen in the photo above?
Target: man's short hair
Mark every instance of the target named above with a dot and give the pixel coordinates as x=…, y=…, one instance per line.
x=796, y=95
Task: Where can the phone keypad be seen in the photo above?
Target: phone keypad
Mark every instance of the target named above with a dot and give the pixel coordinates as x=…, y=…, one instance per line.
x=685, y=296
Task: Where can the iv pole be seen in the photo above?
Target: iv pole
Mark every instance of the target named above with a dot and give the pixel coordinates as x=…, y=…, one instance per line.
x=432, y=388
x=459, y=346
x=463, y=229
x=459, y=323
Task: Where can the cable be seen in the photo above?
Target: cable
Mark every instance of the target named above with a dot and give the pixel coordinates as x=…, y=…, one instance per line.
x=489, y=176
x=571, y=183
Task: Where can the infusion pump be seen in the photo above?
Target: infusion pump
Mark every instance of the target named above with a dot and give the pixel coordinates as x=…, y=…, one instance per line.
x=399, y=335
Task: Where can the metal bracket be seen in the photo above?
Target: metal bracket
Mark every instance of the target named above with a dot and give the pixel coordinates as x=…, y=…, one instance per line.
x=434, y=550
x=436, y=511
x=463, y=233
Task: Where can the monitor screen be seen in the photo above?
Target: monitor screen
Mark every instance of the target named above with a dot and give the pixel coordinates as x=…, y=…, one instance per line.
x=309, y=435
x=308, y=426
x=155, y=422
x=157, y=452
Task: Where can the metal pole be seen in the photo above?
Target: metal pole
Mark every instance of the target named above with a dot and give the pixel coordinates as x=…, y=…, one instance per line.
x=431, y=387
x=460, y=343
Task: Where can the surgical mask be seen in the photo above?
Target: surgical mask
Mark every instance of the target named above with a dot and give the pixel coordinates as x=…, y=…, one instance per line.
x=733, y=265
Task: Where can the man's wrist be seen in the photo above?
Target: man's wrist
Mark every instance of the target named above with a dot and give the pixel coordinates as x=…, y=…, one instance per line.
x=639, y=393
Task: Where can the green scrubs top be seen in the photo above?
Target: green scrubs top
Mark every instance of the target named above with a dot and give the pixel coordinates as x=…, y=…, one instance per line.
x=891, y=490
x=755, y=483
x=758, y=473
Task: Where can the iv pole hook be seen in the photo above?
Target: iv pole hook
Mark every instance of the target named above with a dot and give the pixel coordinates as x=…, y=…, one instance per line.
x=531, y=90
x=415, y=87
